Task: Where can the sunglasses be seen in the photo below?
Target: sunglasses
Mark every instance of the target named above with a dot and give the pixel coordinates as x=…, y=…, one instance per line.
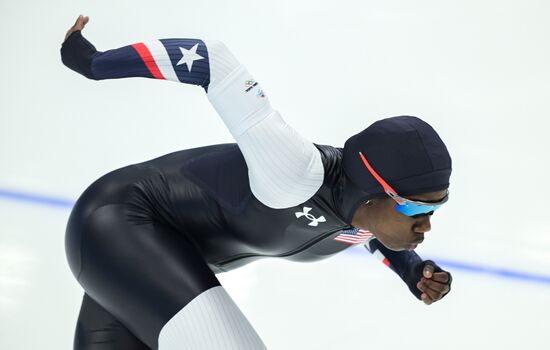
x=405, y=206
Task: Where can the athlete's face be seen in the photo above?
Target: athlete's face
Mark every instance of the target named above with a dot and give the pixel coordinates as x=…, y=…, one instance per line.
x=395, y=230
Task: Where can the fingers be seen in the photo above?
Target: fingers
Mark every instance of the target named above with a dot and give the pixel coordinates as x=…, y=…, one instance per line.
x=434, y=285
x=67, y=34
x=428, y=270
x=73, y=28
x=437, y=287
x=77, y=19
x=79, y=24
x=426, y=299
x=442, y=277
x=432, y=290
x=429, y=295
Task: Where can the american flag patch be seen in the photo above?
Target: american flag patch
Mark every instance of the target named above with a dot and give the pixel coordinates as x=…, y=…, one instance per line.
x=354, y=236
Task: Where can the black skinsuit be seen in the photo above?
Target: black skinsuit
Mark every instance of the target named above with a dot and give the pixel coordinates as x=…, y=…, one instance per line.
x=157, y=230
x=146, y=239
x=235, y=228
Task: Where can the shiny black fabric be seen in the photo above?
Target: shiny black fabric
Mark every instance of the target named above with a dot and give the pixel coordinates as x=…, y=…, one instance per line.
x=146, y=239
x=97, y=329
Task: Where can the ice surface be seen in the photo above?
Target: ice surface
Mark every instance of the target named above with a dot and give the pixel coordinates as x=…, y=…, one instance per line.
x=476, y=71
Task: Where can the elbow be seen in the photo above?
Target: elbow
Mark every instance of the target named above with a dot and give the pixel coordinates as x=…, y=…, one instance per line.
x=221, y=60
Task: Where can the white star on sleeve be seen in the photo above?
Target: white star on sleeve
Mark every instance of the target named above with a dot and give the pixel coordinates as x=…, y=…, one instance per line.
x=189, y=56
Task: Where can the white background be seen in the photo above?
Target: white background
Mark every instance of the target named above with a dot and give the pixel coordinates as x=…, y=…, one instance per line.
x=477, y=71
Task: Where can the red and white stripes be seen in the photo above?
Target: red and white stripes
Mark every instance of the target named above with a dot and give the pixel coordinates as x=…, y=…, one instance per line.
x=354, y=236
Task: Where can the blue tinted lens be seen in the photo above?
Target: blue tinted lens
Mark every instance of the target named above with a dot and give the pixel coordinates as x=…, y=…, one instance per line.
x=411, y=209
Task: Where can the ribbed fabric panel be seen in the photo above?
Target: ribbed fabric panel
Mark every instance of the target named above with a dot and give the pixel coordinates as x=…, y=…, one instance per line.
x=210, y=321
x=238, y=101
x=162, y=59
x=285, y=169
x=221, y=61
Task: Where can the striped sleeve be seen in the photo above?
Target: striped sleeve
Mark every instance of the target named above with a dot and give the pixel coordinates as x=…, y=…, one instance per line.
x=285, y=169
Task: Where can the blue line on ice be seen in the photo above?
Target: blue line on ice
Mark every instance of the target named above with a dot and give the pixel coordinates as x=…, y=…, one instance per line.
x=38, y=199
x=35, y=199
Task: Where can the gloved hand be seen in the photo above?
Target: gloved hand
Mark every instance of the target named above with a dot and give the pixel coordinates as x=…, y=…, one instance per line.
x=76, y=51
x=428, y=282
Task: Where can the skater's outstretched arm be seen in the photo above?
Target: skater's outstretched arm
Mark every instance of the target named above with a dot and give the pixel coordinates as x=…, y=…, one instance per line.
x=152, y=59
x=427, y=281
x=285, y=169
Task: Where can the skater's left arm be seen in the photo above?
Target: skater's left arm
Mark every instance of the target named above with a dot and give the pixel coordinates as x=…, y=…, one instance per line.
x=285, y=169
x=427, y=281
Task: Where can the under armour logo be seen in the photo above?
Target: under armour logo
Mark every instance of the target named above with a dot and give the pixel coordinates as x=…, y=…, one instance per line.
x=314, y=221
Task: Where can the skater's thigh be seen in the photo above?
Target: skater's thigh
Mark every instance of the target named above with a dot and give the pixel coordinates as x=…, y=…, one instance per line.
x=141, y=271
